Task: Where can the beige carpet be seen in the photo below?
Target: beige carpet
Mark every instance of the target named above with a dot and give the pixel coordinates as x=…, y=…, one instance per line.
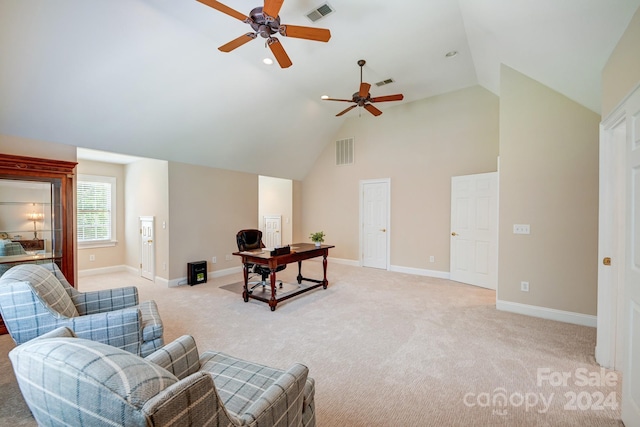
x=388, y=349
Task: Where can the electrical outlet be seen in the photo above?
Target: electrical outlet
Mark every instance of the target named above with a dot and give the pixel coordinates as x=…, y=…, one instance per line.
x=164, y=265
x=432, y=259
x=92, y=257
x=524, y=286
x=214, y=260
x=521, y=229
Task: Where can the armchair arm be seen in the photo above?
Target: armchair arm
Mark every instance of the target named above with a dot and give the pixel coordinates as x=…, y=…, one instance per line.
x=105, y=300
x=280, y=404
x=191, y=401
x=120, y=328
x=179, y=357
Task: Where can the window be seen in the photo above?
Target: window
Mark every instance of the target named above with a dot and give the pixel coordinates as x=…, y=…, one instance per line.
x=96, y=211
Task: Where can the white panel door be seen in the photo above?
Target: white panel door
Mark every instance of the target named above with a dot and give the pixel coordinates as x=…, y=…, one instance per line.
x=474, y=229
x=272, y=231
x=631, y=371
x=147, y=248
x=375, y=223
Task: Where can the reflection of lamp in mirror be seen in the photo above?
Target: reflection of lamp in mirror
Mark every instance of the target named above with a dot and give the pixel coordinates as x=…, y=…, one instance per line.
x=35, y=216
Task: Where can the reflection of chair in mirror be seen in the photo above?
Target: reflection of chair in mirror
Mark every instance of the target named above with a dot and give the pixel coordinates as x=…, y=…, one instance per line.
x=251, y=240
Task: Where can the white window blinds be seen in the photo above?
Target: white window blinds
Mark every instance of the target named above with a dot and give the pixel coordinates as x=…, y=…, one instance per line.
x=95, y=208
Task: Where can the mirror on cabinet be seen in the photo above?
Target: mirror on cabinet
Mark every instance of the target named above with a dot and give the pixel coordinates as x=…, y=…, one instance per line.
x=25, y=212
x=36, y=214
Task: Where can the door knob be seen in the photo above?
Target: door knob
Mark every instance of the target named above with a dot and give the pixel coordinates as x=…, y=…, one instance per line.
x=454, y=234
x=149, y=241
x=384, y=230
x=606, y=261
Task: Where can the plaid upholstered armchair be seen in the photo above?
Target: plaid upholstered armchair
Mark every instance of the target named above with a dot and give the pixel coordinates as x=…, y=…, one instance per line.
x=69, y=381
x=36, y=299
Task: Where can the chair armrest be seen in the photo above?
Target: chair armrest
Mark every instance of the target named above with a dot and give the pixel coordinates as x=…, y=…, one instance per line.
x=119, y=328
x=105, y=300
x=61, y=332
x=191, y=401
x=179, y=357
x=283, y=400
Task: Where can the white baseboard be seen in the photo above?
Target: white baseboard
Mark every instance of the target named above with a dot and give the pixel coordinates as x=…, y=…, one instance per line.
x=421, y=272
x=342, y=261
x=548, y=313
x=212, y=274
x=102, y=270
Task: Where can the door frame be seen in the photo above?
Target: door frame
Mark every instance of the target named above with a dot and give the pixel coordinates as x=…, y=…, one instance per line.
x=611, y=226
x=387, y=182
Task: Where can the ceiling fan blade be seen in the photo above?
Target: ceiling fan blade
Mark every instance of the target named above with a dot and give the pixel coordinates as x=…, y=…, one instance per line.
x=398, y=97
x=335, y=99
x=272, y=7
x=346, y=111
x=373, y=110
x=308, y=33
x=364, y=90
x=225, y=9
x=233, y=44
x=279, y=53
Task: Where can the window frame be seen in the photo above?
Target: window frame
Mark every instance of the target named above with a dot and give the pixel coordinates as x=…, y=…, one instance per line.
x=112, y=241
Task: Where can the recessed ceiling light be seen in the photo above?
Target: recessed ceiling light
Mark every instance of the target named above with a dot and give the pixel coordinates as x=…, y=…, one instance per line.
x=451, y=54
x=268, y=61
x=324, y=97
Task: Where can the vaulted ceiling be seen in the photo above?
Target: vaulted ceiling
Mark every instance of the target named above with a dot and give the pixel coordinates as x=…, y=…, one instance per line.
x=145, y=77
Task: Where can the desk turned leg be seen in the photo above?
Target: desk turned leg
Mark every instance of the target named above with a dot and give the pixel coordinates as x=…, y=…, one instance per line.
x=272, y=301
x=324, y=268
x=299, y=272
x=245, y=290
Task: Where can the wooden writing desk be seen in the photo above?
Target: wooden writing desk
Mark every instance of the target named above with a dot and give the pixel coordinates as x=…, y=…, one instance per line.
x=299, y=252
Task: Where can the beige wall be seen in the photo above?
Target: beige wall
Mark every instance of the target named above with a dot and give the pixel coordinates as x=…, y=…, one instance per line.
x=146, y=194
x=276, y=198
x=419, y=146
x=621, y=73
x=18, y=146
x=208, y=206
x=548, y=179
x=111, y=255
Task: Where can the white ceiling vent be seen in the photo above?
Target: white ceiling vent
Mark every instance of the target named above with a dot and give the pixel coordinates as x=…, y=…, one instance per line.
x=320, y=12
x=344, y=152
x=385, y=82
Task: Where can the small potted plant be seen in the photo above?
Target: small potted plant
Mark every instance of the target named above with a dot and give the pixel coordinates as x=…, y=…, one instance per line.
x=317, y=237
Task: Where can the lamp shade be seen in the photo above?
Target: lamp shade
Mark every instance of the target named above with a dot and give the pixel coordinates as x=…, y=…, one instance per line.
x=35, y=216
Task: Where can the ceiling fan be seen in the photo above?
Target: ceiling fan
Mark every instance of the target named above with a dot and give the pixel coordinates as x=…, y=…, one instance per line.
x=362, y=98
x=265, y=22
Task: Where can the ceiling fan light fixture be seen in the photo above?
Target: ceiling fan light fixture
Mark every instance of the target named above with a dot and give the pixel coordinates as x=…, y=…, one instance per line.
x=324, y=97
x=268, y=61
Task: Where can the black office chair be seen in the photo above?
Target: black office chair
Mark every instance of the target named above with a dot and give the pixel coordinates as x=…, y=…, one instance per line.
x=249, y=240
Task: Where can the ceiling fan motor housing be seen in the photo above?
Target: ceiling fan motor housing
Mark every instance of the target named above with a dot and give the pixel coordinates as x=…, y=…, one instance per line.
x=260, y=24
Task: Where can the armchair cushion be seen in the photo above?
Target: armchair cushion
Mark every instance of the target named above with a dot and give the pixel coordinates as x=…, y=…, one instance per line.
x=46, y=287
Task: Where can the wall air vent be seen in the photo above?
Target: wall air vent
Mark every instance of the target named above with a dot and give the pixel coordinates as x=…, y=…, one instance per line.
x=320, y=12
x=385, y=82
x=344, y=152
